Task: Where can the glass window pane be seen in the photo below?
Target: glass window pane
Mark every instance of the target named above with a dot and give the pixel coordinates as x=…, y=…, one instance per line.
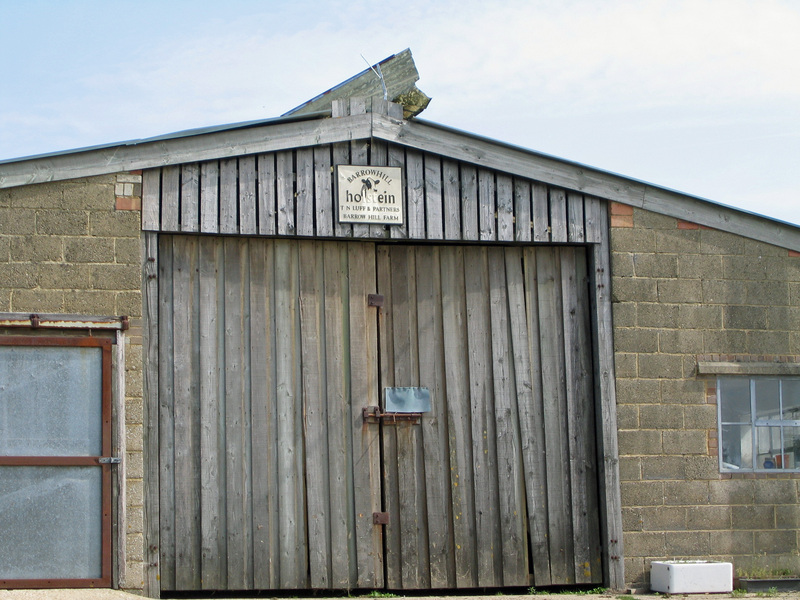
x=52, y=520
x=50, y=401
x=735, y=399
x=737, y=447
x=791, y=399
x=791, y=448
x=767, y=392
x=768, y=446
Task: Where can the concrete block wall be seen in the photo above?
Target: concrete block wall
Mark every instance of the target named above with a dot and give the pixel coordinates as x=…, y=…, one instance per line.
x=74, y=247
x=683, y=293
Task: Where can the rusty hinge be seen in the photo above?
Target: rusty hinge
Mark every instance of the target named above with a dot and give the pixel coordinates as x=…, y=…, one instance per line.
x=35, y=321
x=375, y=300
x=109, y=460
x=380, y=518
x=126, y=324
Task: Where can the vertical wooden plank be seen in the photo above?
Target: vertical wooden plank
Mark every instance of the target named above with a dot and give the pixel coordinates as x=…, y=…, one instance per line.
x=558, y=215
x=151, y=200
x=594, y=225
x=185, y=384
x=606, y=407
x=190, y=197
x=267, y=219
x=247, y=195
x=337, y=319
x=523, y=223
x=166, y=441
x=434, y=424
x=284, y=174
x=170, y=198
x=487, y=206
x=576, y=231
x=304, y=198
x=323, y=191
x=290, y=507
x=364, y=392
x=469, y=202
x=505, y=208
x=264, y=426
x=541, y=213
x=150, y=414
x=524, y=321
x=580, y=416
x=454, y=318
x=415, y=192
x=397, y=158
x=574, y=373
x=212, y=499
x=359, y=155
x=209, y=197
x=511, y=486
x=391, y=487
x=484, y=449
x=554, y=383
x=413, y=531
x=236, y=471
x=451, y=200
x=433, y=197
x=379, y=156
x=315, y=414
x=228, y=196
x=341, y=156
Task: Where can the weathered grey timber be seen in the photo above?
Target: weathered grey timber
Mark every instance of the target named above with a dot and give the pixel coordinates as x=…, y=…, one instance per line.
x=282, y=473
x=466, y=317
x=151, y=417
x=606, y=408
x=296, y=132
x=399, y=76
x=447, y=199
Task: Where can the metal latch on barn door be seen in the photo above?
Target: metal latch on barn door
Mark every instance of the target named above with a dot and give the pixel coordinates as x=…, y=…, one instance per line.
x=109, y=460
x=375, y=300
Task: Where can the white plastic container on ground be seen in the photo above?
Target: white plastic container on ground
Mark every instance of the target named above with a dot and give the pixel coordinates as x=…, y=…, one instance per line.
x=691, y=577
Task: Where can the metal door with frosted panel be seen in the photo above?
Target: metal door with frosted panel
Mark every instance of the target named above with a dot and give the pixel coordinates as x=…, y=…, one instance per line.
x=55, y=476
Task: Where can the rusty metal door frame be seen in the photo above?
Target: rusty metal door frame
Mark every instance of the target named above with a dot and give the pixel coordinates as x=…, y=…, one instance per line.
x=103, y=462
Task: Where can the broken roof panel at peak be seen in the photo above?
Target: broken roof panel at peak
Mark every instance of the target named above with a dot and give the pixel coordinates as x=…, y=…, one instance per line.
x=399, y=75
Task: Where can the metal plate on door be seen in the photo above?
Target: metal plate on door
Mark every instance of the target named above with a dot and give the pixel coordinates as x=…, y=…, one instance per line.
x=407, y=400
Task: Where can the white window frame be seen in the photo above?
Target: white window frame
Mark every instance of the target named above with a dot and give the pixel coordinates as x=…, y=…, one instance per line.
x=754, y=423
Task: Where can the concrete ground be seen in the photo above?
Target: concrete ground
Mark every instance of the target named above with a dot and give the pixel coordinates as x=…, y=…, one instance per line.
x=117, y=595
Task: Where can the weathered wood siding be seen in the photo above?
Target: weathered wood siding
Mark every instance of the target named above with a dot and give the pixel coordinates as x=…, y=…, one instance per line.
x=292, y=193
x=269, y=476
x=500, y=480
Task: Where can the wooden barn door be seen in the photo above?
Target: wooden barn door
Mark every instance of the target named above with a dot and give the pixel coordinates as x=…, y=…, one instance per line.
x=268, y=476
x=499, y=480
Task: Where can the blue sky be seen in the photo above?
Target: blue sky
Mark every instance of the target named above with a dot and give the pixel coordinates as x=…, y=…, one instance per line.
x=702, y=96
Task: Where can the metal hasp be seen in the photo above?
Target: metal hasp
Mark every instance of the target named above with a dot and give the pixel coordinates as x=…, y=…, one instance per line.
x=373, y=414
x=375, y=300
x=380, y=518
x=109, y=460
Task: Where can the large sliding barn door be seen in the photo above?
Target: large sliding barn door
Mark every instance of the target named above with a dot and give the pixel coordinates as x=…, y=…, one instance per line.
x=269, y=478
x=499, y=480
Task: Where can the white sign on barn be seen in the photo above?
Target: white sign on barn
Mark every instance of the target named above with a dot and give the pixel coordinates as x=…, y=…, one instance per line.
x=370, y=194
